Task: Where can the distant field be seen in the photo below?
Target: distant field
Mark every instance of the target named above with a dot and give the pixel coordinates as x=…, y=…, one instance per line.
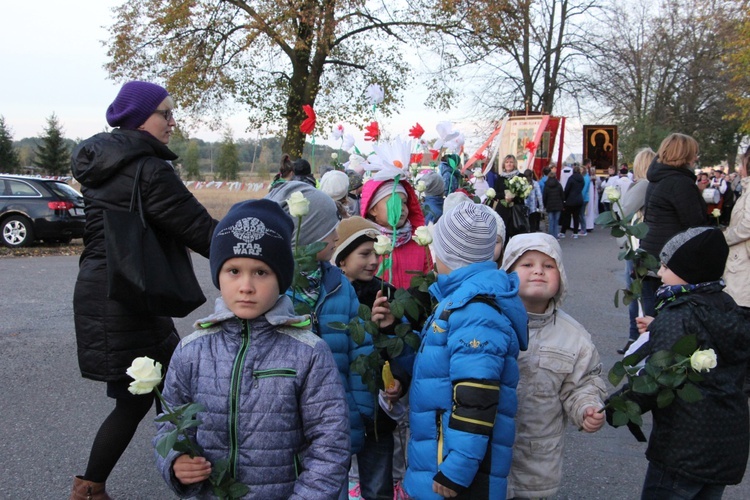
x=219, y=201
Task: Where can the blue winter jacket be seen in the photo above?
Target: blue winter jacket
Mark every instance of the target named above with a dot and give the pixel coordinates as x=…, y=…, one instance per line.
x=451, y=176
x=463, y=393
x=274, y=406
x=433, y=208
x=338, y=303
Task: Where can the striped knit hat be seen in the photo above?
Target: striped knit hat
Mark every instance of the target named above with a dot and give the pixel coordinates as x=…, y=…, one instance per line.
x=465, y=235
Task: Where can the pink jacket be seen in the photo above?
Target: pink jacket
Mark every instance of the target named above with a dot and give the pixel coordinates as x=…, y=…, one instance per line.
x=407, y=257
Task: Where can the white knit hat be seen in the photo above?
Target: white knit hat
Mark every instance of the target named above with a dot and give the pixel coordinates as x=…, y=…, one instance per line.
x=465, y=235
x=335, y=184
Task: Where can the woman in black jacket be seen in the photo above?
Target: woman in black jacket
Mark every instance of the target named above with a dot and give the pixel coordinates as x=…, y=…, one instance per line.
x=573, y=202
x=554, y=202
x=508, y=171
x=109, y=334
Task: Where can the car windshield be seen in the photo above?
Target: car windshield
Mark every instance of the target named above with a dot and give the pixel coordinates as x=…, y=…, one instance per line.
x=64, y=191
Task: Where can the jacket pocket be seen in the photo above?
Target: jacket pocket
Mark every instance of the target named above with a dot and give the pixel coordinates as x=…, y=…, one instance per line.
x=274, y=372
x=556, y=360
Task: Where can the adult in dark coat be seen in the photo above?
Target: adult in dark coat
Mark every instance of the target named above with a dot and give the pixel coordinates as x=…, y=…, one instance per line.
x=109, y=334
x=553, y=197
x=573, y=202
x=508, y=171
x=674, y=202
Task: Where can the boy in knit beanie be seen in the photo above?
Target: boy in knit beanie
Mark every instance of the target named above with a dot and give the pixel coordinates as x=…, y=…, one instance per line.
x=463, y=392
x=700, y=446
x=329, y=298
x=433, y=196
x=261, y=379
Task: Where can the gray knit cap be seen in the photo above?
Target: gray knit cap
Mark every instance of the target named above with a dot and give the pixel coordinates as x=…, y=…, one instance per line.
x=465, y=235
x=434, y=184
x=319, y=222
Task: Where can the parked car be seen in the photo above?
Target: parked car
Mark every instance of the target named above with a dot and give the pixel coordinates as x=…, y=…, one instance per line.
x=34, y=208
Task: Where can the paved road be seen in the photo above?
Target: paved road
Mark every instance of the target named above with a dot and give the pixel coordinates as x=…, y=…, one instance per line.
x=49, y=414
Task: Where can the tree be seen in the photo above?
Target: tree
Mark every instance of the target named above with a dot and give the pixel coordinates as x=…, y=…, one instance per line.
x=662, y=70
x=228, y=161
x=273, y=57
x=9, y=160
x=738, y=69
x=191, y=161
x=53, y=154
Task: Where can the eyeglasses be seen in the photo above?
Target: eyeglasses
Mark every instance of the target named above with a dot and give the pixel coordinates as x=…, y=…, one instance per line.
x=166, y=113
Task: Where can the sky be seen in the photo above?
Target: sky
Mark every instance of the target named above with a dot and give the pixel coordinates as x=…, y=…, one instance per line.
x=52, y=59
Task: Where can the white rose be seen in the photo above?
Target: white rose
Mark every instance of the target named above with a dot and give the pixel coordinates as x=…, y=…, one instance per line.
x=421, y=187
x=422, y=236
x=383, y=245
x=612, y=193
x=703, y=361
x=146, y=375
x=299, y=206
x=334, y=156
x=490, y=193
x=716, y=213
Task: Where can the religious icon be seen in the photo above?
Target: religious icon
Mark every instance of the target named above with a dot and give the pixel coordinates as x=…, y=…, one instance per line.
x=600, y=145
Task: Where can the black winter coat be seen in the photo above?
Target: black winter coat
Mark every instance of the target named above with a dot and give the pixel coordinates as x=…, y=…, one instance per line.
x=574, y=190
x=705, y=441
x=673, y=204
x=553, y=195
x=109, y=335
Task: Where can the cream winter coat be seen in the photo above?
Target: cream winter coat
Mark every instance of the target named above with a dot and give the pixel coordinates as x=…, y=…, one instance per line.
x=737, y=271
x=560, y=376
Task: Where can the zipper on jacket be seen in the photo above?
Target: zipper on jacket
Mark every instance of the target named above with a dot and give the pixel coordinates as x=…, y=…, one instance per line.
x=275, y=372
x=439, y=437
x=234, y=399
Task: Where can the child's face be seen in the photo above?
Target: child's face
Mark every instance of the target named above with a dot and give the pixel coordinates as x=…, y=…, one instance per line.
x=498, y=250
x=668, y=277
x=540, y=280
x=248, y=286
x=362, y=263
x=441, y=268
x=379, y=212
x=326, y=254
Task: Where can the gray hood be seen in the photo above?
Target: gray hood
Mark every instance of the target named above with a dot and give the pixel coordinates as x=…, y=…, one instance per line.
x=541, y=242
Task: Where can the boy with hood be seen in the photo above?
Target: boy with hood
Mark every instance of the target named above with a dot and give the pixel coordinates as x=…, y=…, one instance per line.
x=698, y=447
x=560, y=372
x=272, y=398
x=407, y=254
x=463, y=392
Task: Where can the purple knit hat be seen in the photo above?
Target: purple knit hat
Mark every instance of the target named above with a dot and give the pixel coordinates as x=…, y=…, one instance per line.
x=135, y=102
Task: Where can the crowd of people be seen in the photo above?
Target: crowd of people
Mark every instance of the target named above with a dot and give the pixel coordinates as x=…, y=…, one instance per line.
x=481, y=404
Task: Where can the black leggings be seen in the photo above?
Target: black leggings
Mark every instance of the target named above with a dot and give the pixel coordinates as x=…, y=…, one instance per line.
x=115, y=434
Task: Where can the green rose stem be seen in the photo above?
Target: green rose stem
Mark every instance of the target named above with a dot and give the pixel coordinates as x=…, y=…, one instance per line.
x=193, y=450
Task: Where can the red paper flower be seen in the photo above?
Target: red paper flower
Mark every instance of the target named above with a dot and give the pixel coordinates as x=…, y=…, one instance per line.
x=479, y=157
x=435, y=153
x=372, y=132
x=530, y=147
x=416, y=131
x=308, y=125
x=416, y=158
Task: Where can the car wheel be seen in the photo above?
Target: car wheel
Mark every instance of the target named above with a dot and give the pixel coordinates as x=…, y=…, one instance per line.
x=17, y=231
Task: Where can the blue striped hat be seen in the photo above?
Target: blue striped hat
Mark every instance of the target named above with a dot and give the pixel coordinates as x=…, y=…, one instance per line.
x=465, y=235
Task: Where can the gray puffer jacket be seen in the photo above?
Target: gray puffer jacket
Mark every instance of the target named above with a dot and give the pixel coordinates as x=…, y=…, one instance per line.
x=274, y=405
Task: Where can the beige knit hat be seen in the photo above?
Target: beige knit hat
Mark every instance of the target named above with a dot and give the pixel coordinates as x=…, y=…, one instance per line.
x=353, y=232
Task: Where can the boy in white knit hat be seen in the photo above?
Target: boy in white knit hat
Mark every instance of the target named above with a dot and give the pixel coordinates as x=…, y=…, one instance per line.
x=463, y=393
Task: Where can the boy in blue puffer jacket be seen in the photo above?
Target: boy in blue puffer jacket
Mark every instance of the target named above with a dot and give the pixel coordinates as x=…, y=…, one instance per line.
x=274, y=404
x=463, y=392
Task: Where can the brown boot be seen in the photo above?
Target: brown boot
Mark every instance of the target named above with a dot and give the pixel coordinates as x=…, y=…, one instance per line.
x=86, y=490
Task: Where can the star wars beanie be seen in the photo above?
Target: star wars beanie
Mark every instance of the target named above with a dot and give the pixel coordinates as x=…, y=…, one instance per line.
x=133, y=105
x=465, y=235
x=256, y=229
x=319, y=222
x=697, y=255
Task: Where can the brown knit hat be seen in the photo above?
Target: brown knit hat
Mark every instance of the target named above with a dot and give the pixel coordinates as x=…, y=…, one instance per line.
x=353, y=232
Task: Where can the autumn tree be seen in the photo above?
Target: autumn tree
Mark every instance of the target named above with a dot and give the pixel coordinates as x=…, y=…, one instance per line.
x=228, y=160
x=9, y=160
x=272, y=57
x=191, y=161
x=661, y=70
x=738, y=69
x=52, y=153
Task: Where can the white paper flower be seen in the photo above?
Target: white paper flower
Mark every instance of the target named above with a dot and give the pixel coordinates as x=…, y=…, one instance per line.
x=299, y=206
x=146, y=375
x=348, y=142
x=703, y=361
x=338, y=132
x=445, y=134
x=422, y=236
x=375, y=93
x=383, y=245
x=356, y=163
x=390, y=158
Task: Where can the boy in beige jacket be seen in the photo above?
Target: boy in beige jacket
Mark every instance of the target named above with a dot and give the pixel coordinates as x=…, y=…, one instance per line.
x=559, y=373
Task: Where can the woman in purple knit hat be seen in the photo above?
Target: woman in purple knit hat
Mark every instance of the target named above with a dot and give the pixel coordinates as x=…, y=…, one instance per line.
x=110, y=334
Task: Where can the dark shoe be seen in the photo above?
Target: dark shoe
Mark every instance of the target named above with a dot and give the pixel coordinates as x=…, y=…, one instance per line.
x=625, y=349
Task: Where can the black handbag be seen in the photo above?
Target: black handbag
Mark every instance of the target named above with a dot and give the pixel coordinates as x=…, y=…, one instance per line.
x=520, y=218
x=147, y=271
